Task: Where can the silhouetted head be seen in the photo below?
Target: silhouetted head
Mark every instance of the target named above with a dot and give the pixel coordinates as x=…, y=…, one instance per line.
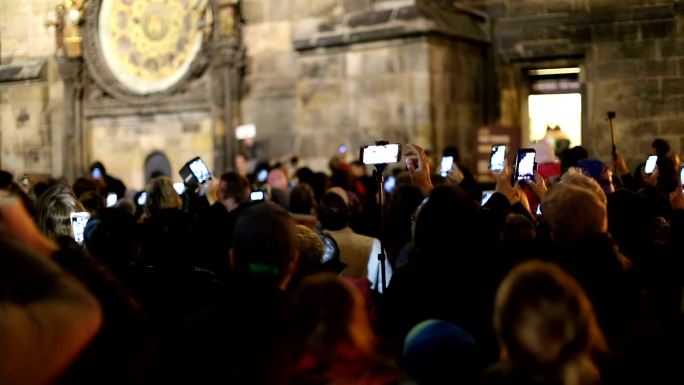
x=302, y=200
x=660, y=147
x=111, y=237
x=265, y=243
x=438, y=352
x=333, y=211
x=546, y=324
x=448, y=221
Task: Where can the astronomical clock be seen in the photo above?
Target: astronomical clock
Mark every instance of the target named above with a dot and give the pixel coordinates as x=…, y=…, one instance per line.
x=139, y=50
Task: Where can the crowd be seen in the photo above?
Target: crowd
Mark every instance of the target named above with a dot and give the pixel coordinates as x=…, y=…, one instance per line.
x=572, y=278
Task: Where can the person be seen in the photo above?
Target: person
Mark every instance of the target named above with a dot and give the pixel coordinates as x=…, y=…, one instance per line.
x=303, y=205
x=444, y=279
x=109, y=183
x=439, y=352
x=598, y=171
x=54, y=209
x=546, y=328
x=232, y=339
x=48, y=317
x=358, y=252
x=578, y=222
x=467, y=182
x=329, y=338
x=215, y=225
x=160, y=196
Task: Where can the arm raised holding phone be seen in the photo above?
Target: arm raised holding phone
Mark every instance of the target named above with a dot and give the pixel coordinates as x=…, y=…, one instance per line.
x=417, y=164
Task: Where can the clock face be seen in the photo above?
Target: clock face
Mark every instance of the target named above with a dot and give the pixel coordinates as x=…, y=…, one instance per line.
x=149, y=45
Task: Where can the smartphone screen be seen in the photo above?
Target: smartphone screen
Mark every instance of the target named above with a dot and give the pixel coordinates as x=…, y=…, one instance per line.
x=179, y=187
x=497, y=159
x=142, y=198
x=447, y=164
x=111, y=199
x=262, y=175
x=681, y=176
x=257, y=196
x=651, y=164
x=390, y=184
x=97, y=173
x=485, y=196
x=524, y=166
x=200, y=170
x=383, y=154
x=539, y=210
x=78, y=223
x=342, y=149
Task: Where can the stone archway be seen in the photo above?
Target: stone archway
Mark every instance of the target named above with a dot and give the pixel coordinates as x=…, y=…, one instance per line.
x=157, y=163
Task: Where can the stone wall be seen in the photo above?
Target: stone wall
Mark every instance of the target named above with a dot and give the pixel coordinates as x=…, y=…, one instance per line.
x=123, y=143
x=31, y=120
x=631, y=53
x=325, y=73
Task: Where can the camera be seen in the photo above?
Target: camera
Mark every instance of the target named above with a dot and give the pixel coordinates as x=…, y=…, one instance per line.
x=78, y=223
x=381, y=153
x=258, y=195
x=446, y=165
x=97, y=173
x=485, y=196
x=651, y=163
x=195, y=172
x=142, y=199
x=497, y=159
x=525, y=164
x=111, y=199
x=390, y=184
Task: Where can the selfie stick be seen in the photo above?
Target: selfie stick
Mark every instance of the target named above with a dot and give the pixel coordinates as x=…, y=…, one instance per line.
x=380, y=180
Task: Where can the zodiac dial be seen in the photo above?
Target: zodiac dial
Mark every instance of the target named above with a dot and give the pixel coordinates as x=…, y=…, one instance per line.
x=149, y=45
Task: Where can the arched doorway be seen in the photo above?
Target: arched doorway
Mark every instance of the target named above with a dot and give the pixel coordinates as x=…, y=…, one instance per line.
x=157, y=164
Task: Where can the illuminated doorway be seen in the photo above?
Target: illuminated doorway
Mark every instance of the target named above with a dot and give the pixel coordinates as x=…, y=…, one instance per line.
x=555, y=107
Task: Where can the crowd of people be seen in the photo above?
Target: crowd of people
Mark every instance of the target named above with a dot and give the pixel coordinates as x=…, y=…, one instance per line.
x=572, y=278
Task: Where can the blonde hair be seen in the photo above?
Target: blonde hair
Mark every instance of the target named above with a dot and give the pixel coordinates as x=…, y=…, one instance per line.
x=574, y=212
x=575, y=177
x=160, y=195
x=546, y=324
x=54, y=211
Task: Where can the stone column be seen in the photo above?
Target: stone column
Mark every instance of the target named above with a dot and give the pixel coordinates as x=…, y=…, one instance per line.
x=225, y=96
x=72, y=72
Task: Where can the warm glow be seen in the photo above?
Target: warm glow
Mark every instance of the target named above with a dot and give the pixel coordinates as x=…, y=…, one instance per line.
x=564, y=110
x=554, y=71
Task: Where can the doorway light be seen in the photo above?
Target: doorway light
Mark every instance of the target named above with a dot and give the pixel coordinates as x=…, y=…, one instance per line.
x=554, y=71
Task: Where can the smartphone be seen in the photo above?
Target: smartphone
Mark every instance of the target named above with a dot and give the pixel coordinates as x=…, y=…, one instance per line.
x=447, y=164
x=111, y=199
x=258, y=195
x=97, y=173
x=78, y=223
x=539, y=210
x=195, y=171
x=485, y=196
x=497, y=159
x=651, y=164
x=179, y=187
x=381, y=154
x=262, y=176
x=390, y=184
x=525, y=164
x=681, y=176
x=342, y=149
x=142, y=198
